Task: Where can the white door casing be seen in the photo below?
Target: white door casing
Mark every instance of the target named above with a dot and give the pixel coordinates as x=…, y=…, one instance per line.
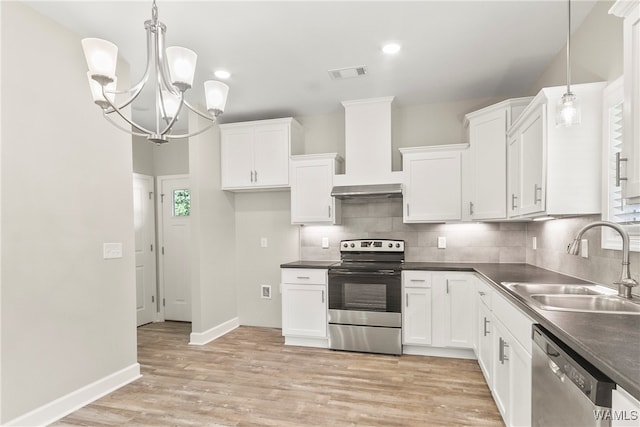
x=145, y=234
x=174, y=239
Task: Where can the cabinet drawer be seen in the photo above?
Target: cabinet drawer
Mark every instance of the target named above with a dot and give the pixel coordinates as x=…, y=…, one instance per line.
x=310, y=276
x=518, y=323
x=484, y=292
x=416, y=278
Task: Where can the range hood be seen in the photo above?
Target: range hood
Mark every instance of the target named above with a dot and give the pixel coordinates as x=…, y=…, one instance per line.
x=372, y=191
x=368, y=156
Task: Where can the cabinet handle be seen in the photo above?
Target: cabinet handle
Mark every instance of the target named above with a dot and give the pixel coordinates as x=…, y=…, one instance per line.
x=470, y=208
x=502, y=355
x=323, y=296
x=485, y=332
x=619, y=178
x=251, y=174
x=513, y=202
x=329, y=211
x=417, y=280
x=255, y=173
x=406, y=300
x=303, y=277
x=537, y=188
x=447, y=285
x=482, y=293
x=408, y=211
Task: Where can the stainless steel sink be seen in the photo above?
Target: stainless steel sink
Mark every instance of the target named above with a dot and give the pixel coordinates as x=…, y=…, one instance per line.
x=598, y=303
x=573, y=297
x=545, y=288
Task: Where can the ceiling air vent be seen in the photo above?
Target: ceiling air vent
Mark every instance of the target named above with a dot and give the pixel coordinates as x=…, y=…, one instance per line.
x=347, y=73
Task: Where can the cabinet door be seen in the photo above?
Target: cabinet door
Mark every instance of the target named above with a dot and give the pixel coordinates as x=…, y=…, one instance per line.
x=271, y=155
x=631, y=148
x=237, y=158
x=500, y=346
x=489, y=165
x=485, y=353
x=311, y=183
x=461, y=298
x=625, y=409
x=513, y=177
x=416, y=324
x=433, y=184
x=532, y=182
x=304, y=310
x=519, y=385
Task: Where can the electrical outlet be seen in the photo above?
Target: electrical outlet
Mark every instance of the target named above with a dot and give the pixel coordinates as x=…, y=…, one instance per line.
x=265, y=291
x=325, y=243
x=584, y=248
x=263, y=242
x=111, y=250
x=442, y=242
x=534, y=243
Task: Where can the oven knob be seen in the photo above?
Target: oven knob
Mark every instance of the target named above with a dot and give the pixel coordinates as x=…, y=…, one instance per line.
x=353, y=245
x=397, y=245
x=345, y=245
x=390, y=245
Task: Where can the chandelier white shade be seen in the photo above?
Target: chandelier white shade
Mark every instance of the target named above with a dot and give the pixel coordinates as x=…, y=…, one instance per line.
x=170, y=70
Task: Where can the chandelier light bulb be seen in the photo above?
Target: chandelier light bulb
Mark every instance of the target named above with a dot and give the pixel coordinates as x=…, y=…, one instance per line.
x=216, y=95
x=171, y=103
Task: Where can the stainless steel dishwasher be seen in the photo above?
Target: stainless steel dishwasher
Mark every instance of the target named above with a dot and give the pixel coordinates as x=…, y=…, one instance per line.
x=566, y=389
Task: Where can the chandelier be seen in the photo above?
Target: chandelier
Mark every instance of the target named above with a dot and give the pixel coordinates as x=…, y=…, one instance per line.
x=170, y=69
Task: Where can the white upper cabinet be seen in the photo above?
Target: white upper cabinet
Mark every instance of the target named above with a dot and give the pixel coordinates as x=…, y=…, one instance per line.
x=555, y=170
x=311, y=184
x=630, y=11
x=255, y=155
x=432, y=179
x=487, y=178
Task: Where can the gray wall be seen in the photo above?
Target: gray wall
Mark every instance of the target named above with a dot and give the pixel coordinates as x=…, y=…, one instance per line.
x=157, y=160
x=68, y=316
x=213, y=281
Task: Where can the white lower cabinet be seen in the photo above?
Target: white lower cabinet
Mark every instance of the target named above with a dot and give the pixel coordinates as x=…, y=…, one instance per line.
x=304, y=306
x=625, y=409
x=436, y=311
x=504, y=354
x=416, y=322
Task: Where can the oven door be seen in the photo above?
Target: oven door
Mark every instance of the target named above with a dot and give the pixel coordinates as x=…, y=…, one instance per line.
x=370, y=298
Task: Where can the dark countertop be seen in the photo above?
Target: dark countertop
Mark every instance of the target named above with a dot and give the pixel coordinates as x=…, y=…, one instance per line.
x=610, y=342
x=308, y=264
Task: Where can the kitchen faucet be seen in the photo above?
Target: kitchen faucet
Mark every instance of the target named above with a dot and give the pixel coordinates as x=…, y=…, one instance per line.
x=626, y=282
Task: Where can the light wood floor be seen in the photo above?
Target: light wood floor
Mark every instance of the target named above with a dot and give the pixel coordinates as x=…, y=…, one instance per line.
x=248, y=377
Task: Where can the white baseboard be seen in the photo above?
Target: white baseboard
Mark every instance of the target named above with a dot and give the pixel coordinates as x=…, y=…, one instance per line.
x=75, y=400
x=202, y=338
x=458, y=353
x=307, y=342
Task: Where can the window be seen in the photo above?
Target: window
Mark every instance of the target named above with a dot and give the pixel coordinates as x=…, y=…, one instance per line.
x=615, y=208
x=181, y=203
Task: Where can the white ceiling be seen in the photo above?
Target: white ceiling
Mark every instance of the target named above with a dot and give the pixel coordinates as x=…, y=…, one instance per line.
x=279, y=52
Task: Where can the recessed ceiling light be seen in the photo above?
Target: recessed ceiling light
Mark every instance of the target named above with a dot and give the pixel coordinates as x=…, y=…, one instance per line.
x=222, y=74
x=391, y=48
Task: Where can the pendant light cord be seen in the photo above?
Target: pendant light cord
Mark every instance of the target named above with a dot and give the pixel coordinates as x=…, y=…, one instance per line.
x=569, y=49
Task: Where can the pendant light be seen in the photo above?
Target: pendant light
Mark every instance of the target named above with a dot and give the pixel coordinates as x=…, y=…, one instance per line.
x=568, y=108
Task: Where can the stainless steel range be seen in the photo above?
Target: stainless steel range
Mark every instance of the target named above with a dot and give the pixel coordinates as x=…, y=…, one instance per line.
x=365, y=297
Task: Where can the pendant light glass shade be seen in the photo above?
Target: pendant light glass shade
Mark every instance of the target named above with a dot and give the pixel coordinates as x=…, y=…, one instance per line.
x=101, y=57
x=568, y=110
x=182, y=66
x=216, y=95
x=171, y=103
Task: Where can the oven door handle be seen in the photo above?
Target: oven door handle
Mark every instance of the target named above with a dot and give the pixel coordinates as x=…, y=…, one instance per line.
x=364, y=273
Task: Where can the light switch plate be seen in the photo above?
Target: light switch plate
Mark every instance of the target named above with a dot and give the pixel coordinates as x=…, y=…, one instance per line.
x=442, y=242
x=584, y=248
x=263, y=242
x=325, y=243
x=534, y=243
x=111, y=250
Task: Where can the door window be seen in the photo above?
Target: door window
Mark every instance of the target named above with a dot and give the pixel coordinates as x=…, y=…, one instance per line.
x=181, y=202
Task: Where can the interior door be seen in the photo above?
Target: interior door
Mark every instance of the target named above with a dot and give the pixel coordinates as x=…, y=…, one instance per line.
x=145, y=234
x=175, y=270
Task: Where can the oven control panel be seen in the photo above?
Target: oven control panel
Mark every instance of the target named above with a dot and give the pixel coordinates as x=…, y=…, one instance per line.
x=372, y=245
